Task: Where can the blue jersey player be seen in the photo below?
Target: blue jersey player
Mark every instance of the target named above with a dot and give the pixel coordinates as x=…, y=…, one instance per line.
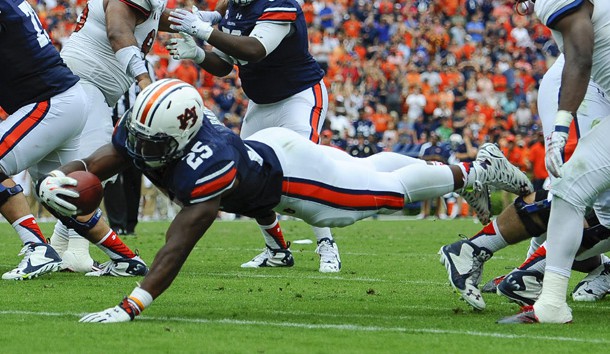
x=46, y=106
x=268, y=41
x=204, y=167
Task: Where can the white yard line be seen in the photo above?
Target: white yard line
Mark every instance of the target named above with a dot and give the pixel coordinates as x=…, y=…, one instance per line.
x=341, y=327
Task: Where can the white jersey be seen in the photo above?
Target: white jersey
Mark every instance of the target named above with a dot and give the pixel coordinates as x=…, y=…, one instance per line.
x=89, y=54
x=549, y=11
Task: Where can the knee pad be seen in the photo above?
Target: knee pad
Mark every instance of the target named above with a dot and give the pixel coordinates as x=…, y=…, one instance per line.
x=81, y=228
x=541, y=207
x=595, y=233
x=7, y=192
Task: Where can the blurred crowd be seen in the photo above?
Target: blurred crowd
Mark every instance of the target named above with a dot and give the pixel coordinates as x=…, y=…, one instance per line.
x=402, y=75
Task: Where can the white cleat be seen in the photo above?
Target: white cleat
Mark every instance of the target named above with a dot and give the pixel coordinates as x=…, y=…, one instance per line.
x=492, y=168
x=479, y=200
x=124, y=267
x=594, y=286
x=271, y=258
x=464, y=263
x=38, y=259
x=330, y=262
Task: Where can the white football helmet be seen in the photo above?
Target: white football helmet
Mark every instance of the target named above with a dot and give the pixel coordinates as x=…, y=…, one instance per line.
x=165, y=117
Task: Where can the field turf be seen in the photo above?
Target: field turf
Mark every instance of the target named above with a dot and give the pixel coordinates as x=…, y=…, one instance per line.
x=392, y=296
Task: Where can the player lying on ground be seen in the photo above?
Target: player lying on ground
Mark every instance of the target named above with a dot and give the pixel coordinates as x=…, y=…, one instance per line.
x=202, y=165
x=526, y=218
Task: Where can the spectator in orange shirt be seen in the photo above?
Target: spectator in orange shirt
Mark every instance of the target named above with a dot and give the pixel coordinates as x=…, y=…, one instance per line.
x=352, y=27
x=536, y=158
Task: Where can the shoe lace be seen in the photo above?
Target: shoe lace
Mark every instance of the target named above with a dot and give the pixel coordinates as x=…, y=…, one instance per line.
x=26, y=251
x=105, y=267
x=326, y=250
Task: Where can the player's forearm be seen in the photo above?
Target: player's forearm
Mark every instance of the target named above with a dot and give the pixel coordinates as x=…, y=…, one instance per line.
x=182, y=236
x=215, y=65
x=240, y=47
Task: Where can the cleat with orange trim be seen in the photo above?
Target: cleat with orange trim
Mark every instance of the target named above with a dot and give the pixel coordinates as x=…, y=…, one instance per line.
x=124, y=267
x=492, y=285
x=525, y=316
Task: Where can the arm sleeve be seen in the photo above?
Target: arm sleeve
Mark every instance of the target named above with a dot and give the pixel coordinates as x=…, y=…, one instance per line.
x=270, y=34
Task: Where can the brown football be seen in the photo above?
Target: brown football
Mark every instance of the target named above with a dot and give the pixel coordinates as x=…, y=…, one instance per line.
x=90, y=192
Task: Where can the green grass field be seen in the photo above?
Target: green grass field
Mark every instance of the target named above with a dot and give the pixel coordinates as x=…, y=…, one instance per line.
x=392, y=296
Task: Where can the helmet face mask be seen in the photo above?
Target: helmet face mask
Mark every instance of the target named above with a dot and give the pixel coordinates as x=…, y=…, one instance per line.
x=242, y=2
x=165, y=117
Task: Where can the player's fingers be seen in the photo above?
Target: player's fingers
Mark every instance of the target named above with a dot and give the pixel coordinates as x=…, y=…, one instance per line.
x=68, y=193
x=67, y=181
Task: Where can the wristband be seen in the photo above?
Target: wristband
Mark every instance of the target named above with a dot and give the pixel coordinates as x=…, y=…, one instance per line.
x=563, y=119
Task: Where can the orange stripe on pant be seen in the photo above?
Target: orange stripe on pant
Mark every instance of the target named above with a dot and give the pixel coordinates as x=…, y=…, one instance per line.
x=343, y=198
x=23, y=127
x=316, y=112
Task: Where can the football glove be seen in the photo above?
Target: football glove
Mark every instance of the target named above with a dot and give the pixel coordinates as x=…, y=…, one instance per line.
x=50, y=189
x=556, y=142
x=189, y=22
x=185, y=48
x=123, y=312
x=213, y=17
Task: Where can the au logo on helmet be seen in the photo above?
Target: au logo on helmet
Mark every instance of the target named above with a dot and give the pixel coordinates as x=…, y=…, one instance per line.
x=189, y=115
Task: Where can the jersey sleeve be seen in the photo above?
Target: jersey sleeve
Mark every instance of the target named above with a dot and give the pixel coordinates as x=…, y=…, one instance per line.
x=550, y=11
x=279, y=12
x=143, y=6
x=215, y=180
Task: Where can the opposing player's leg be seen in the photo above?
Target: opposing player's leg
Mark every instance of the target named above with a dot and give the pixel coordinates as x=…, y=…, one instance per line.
x=464, y=259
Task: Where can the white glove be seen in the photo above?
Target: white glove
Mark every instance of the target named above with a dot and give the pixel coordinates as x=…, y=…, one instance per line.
x=213, y=17
x=111, y=315
x=185, y=48
x=556, y=142
x=189, y=22
x=51, y=189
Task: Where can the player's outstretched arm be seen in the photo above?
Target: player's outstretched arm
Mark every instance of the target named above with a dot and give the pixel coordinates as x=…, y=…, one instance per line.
x=185, y=230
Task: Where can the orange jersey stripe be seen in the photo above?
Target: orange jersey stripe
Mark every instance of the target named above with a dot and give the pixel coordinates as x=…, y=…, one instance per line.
x=278, y=16
x=154, y=97
x=316, y=113
x=23, y=127
x=343, y=198
x=215, y=185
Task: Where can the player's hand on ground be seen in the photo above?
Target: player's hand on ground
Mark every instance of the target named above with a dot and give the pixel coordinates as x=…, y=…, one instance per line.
x=50, y=190
x=125, y=311
x=111, y=315
x=555, y=144
x=185, y=48
x=189, y=22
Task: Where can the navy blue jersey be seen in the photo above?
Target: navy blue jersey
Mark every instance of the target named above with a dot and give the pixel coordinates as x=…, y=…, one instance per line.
x=287, y=70
x=31, y=69
x=215, y=160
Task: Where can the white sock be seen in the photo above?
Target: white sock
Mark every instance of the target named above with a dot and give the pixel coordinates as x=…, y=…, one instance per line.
x=322, y=232
x=564, y=235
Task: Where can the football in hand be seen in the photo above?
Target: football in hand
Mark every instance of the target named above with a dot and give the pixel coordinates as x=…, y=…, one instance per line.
x=90, y=192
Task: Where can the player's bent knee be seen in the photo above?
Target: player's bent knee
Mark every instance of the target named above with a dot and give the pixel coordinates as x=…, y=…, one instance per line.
x=82, y=227
x=534, y=215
